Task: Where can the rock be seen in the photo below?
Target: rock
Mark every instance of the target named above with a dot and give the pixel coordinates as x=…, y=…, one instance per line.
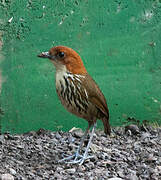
x=90, y=165
x=120, y=174
x=7, y=177
x=145, y=135
x=132, y=177
x=57, y=176
x=20, y=162
x=78, y=133
x=159, y=168
x=58, y=136
x=59, y=169
x=71, y=171
x=133, y=128
x=151, y=158
x=89, y=174
x=12, y=171
x=1, y=139
x=91, y=178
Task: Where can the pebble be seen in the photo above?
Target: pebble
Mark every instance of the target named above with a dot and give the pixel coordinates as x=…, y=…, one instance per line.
x=133, y=128
x=90, y=165
x=1, y=139
x=132, y=177
x=78, y=133
x=71, y=171
x=159, y=168
x=145, y=135
x=12, y=171
x=59, y=169
x=57, y=176
x=7, y=177
x=57, y=135
x=121, y=174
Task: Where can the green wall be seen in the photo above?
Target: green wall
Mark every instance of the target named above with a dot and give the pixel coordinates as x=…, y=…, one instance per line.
x=119, y=42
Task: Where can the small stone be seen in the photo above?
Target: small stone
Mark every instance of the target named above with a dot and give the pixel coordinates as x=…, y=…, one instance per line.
x=89, y=174
x=120, y=174
x=151, y=158
x=159, y=168
x=81, y=168
x=91, y=178
x=71, y=139
x=78, y=133
x=7, y=177
x=71, y=171
x=145, y=135
x=99, y=163
x=59, y=169
x=133, y=128
x=12, y=171
x=1, y=138
x=132, y=177
x=57, y=176
x=9, y=137
x=58, y=136
x=20, y=162
x=80, y=174
x=106, y=173
x=90, y=165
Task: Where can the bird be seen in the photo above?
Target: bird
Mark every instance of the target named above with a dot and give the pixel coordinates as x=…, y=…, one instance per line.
x=79, y=94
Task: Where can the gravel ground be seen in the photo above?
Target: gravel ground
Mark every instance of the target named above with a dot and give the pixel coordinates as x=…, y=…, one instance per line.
x=131, y=153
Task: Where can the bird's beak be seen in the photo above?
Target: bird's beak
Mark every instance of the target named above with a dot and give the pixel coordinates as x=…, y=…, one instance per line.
x=44, y=55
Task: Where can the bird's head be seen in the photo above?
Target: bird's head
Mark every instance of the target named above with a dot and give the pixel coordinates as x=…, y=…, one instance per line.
x=65, y=58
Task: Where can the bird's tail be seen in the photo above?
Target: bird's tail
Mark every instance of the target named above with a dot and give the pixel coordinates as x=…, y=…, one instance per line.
x=106, y=124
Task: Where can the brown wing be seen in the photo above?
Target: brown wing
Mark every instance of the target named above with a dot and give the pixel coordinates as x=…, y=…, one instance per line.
x=96, y=97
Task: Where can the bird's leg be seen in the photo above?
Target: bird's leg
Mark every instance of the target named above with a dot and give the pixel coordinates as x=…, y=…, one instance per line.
x=84, y=157
x=81, y=143
x=89, y=143
x=77, y=155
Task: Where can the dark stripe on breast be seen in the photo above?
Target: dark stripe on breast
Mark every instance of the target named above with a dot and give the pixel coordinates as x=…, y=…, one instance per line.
x=72, y=94
x=77, y=105
x=85, y=107
x=62, y=89
x=66, y=82
x=67, y=91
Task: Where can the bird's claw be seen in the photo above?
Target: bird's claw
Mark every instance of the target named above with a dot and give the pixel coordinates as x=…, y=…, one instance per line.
x=81, y=160
x=65, y=159
x=77, y=158
x=74, y=156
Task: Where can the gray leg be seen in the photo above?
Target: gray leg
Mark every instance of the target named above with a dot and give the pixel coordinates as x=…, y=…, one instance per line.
x=85, y=155
x=77, y=155
x=81, y=143
x=89, y=143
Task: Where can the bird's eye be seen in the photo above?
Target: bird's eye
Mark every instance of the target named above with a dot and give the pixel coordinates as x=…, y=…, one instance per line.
x=61, y=54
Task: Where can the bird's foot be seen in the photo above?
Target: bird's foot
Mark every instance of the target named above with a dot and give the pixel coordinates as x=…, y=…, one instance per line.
x=80, y=161
x=75, y=159
x=74, y=156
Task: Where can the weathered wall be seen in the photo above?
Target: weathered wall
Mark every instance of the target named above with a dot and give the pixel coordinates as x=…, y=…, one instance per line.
x=119, y=41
